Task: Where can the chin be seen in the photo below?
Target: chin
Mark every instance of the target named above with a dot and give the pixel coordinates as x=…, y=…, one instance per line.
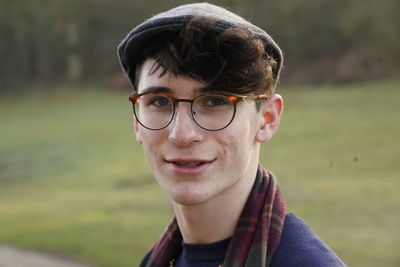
x=189, y=197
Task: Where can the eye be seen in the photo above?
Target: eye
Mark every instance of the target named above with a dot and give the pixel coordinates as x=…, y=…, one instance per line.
x=215, y=101
x=158, y=101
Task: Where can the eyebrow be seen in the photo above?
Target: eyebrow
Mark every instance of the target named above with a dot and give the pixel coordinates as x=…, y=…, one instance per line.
x=162, y=89
x=156, y=89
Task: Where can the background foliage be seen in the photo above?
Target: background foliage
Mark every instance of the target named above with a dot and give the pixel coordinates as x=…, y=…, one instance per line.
x=46, y=41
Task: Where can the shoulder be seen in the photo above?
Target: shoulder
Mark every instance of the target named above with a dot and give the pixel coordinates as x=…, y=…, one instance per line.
x=300, y=246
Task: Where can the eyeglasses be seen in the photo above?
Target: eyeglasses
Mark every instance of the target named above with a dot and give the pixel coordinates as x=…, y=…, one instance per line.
x=210, y=111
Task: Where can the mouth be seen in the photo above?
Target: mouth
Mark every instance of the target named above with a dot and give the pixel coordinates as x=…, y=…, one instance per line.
x=189, y=165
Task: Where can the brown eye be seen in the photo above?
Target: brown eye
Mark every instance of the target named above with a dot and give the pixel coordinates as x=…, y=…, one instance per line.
x=160, y=101
x=215, y=101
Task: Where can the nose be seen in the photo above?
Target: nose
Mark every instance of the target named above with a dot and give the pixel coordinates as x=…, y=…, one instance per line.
x=183, y=131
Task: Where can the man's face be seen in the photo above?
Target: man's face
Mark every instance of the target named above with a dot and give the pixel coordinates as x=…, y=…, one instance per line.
x=228, y=157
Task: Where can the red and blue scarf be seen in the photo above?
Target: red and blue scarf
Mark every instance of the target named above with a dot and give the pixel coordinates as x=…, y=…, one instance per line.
x=256, y=237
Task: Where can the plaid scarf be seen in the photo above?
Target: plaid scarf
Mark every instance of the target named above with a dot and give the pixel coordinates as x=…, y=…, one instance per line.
x=256, y=237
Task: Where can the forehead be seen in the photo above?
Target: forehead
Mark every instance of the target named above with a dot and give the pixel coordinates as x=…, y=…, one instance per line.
x=169, y=82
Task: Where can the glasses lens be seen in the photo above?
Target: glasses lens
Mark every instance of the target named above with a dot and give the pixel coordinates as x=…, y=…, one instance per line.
x=213, y=112
x=154, y=111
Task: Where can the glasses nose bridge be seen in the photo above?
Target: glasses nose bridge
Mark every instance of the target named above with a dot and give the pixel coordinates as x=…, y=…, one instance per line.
x=177, y=100
x=185, y=122
x=184, y=100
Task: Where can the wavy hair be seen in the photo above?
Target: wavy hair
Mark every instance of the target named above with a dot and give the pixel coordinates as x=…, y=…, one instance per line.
x=225, y=59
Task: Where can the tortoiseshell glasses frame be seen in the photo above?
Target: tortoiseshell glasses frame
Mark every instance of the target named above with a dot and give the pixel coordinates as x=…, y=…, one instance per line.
x=212, y=111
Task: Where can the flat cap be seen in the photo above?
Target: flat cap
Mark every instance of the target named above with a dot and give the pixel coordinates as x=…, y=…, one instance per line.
x=172, y=21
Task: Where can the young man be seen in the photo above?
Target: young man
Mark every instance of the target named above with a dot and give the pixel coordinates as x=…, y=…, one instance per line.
x=204, y=102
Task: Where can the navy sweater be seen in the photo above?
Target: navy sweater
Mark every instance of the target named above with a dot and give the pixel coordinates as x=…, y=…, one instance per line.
x=299, y=246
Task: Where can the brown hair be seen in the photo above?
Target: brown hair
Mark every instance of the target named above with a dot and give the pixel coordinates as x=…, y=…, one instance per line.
x=225, y=59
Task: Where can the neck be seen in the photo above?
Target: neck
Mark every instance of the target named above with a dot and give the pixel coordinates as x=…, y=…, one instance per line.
x=217, y=218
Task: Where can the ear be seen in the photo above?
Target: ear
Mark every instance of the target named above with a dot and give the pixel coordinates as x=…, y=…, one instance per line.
x=270, y=116
x=138, y=132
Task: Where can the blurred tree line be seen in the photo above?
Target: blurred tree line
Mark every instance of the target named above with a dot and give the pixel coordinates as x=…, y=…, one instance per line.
x=48, y=41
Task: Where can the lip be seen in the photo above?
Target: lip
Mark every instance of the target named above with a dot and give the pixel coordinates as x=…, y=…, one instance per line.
x=188, y=170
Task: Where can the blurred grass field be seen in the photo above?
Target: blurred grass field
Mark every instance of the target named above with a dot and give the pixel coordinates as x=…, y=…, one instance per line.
x=74, y=181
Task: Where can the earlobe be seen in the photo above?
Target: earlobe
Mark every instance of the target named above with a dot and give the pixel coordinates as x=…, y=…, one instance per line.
x=270, y=115
x=137, y=132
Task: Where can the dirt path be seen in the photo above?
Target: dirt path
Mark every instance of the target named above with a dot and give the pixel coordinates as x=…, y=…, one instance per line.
x=16, y=257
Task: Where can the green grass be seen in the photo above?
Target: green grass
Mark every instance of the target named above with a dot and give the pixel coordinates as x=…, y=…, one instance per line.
x=74, y=181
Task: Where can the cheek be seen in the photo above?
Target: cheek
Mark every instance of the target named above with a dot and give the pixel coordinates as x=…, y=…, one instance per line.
x=151, y=145
x=235, y=145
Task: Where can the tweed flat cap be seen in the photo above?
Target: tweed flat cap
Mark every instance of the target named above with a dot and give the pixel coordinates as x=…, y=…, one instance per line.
x=172, y=21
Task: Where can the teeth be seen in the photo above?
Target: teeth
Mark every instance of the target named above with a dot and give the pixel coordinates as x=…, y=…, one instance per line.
x=188, y=164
